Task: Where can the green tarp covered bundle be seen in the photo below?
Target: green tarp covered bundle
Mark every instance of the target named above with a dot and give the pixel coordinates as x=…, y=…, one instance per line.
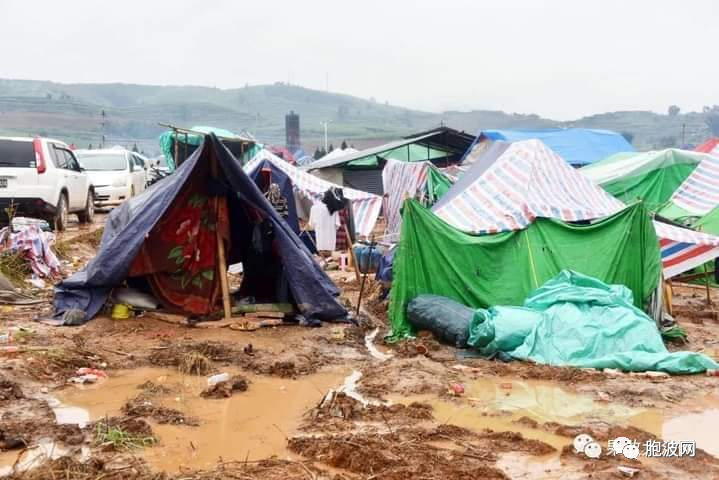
x=652, y=177
x=502, y=269
x=576, y=320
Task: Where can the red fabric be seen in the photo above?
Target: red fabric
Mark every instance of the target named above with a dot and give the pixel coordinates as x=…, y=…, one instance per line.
x=179, y=257
x=342, y=242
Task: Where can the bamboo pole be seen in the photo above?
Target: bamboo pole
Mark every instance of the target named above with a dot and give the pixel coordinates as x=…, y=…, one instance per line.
x=221, y=259
x=352, y=257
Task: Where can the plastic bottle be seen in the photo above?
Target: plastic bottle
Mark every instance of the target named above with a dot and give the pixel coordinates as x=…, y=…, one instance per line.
x=215, y=379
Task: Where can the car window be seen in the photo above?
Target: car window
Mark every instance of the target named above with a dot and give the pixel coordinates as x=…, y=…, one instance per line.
x=65, y=159
x=139, y=162
x=72, y=162
x=17, y=154
x=59, y=157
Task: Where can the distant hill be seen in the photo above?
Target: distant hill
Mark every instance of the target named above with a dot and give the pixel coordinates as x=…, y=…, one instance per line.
x=73, y=112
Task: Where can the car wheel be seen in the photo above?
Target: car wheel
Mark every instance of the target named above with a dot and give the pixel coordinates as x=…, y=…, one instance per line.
x=61, y=213
x=88, y=214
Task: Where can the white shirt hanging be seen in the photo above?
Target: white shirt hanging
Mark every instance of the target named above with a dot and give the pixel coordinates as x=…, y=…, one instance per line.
x=325, y=226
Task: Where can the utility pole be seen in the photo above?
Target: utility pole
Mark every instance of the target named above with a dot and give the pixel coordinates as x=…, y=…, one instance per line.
x=684, y=129
x=102, y=127
x=325, y=125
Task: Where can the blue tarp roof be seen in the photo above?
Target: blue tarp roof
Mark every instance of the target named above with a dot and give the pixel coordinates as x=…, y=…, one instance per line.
x=578, y=146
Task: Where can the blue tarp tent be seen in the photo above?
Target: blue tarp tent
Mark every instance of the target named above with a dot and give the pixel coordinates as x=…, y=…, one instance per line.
x=577, y=146
x=131, y=225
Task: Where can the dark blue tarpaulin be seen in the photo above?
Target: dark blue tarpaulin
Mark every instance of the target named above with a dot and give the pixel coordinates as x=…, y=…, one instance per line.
x=284, y=182
x=127, y=226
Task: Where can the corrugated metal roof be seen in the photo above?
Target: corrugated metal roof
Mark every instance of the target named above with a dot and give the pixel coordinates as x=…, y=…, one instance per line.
x=366, y=153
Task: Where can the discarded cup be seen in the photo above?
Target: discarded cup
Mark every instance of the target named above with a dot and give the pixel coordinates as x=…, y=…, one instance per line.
x=215, y=379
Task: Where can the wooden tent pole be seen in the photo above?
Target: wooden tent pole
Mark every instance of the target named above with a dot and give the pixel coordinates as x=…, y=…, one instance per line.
x=221, y=259
x=352, y=257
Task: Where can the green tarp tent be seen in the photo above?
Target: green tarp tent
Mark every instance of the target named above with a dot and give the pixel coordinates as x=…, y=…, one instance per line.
x=652, y=177
x=190, y=141
x=502, y=269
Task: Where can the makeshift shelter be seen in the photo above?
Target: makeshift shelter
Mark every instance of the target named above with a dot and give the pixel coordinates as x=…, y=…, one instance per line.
x=420, y=180
x=652, y=177
x=169, y=241
x=362, y=170
x=677, y=185
x=503, y=268
x=304, y=189
x=513, y=184
x=711, y=146
x=178, y=143
x=525, y=203
x=283, y=153
x=577, y=146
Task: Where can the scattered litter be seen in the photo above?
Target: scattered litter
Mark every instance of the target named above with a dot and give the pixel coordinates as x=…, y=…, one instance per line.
x=456, y=389
x=628, y=471
x=372, y=349
x=215, y=379
x=37, y=282
x=225, y=388
x=135, y=298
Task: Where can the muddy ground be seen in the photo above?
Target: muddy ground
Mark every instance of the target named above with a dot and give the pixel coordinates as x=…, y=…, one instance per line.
x=285, y=414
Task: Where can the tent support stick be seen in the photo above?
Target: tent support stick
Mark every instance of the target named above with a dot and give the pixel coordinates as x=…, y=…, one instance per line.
x=706, y=284
x=369, y=263
x=352, y=257
x=221, y=259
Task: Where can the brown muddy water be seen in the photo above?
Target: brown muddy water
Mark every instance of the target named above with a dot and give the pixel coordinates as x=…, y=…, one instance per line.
x=249, y=425
x=497, y=404
x=255, y=424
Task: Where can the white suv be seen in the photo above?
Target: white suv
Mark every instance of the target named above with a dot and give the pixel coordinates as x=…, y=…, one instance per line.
x=41, y=178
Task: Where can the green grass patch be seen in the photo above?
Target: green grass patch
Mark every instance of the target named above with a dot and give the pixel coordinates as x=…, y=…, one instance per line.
x=120, y=439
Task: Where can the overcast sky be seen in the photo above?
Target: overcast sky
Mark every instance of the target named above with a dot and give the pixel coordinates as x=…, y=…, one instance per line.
x=561, y=59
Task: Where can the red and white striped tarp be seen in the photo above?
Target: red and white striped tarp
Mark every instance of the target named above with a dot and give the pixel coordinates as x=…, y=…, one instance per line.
x=401, y=180
x=366, y=206
x=683, y=249
x=699, y=193
x=711, y=147
x=527, y=181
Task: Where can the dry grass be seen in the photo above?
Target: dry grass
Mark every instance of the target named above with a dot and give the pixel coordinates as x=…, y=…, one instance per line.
x=14, y=267
x=194, y=363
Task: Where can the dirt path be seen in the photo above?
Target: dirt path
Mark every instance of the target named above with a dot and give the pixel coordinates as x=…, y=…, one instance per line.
x=318, y=404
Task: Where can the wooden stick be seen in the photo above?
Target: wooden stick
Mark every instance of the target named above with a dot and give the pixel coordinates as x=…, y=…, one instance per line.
x=352, y=257
x=221, y=260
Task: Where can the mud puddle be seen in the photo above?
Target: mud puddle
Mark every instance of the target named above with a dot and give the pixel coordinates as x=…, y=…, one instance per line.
x=250, y=425
x=514, y=406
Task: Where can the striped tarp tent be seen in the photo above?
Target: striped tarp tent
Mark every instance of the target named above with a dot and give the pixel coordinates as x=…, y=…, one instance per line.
x=528, y=180
x=699, y=193
x=366, y=206
x=401, y=180
x=711, y=146
x=683, y=249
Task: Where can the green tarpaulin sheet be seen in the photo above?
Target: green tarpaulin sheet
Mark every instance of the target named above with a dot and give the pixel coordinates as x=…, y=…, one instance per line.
x=502, y=269
x=406, y=153
x=576, y=320
x=652, y=177
x=437, y=185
